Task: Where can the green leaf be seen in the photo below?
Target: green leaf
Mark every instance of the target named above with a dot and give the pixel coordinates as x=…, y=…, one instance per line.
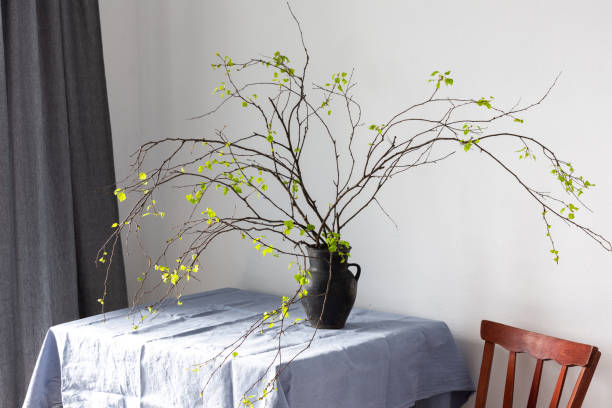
x=288, y=226
x=120, y=194
x=174, y=278
x=484, y=102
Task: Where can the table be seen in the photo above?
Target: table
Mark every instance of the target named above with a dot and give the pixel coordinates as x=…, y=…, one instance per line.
x=379, y=360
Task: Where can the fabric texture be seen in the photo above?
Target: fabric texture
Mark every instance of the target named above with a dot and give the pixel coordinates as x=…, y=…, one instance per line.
x=56, y=178
x=379, y=360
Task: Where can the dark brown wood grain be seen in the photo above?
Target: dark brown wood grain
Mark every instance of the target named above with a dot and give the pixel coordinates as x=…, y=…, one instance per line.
x=542, y=347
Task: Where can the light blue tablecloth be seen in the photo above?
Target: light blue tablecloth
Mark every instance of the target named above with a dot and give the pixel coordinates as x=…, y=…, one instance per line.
x=379, y=360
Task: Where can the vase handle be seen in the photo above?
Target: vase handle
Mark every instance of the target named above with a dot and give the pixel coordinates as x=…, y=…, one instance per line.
x=358, y=269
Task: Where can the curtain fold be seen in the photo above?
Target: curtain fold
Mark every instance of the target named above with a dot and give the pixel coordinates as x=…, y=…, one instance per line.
x=57, y=175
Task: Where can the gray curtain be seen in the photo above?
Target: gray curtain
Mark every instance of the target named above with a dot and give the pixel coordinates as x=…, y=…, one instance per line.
x=56, y=178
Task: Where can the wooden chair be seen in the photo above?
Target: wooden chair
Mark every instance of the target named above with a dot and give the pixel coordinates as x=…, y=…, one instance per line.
x=564, y=352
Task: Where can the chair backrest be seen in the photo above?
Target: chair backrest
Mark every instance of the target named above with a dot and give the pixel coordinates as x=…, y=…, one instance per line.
x=567, y=353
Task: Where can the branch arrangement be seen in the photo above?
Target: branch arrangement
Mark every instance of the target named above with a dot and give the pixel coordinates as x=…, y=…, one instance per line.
x=264, y=174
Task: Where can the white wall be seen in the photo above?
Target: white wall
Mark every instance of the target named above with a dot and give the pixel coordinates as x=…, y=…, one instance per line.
x=470, y=244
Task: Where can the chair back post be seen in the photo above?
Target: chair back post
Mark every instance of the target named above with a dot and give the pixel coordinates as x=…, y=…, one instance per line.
x=485, y=375
x=583, y=382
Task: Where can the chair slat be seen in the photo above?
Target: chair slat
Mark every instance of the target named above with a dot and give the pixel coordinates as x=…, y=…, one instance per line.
x=554, y=403
x=509, y=391
x=485, y=374
x=535, y=385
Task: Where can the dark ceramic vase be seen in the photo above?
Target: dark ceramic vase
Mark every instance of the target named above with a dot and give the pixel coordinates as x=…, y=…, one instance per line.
x=337, y=305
